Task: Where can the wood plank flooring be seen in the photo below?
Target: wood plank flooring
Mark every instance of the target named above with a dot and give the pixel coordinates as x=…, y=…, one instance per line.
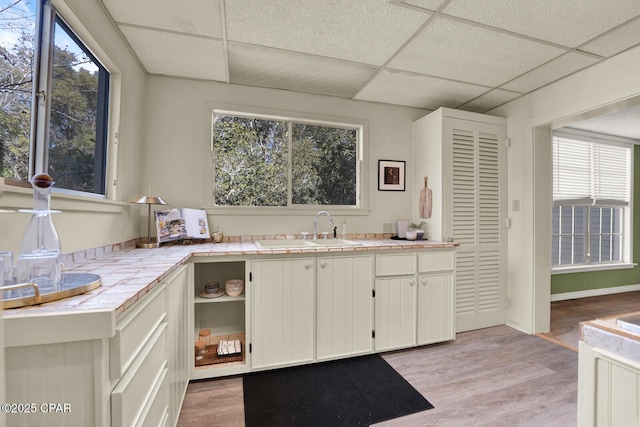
x=566, y=315
x=490, y=377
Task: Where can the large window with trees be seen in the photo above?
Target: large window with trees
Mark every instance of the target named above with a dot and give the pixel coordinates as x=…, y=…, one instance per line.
x=591, y=217
x=281, y=162
x=54, y=97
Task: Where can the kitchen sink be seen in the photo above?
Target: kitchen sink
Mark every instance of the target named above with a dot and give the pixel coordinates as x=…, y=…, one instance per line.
x=299, y=243
x=333, y=242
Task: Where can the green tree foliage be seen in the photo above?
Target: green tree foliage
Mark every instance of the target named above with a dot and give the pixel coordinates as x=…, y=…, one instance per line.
x=251, y=163
x=325, y=165
x=15, y=93
x=72, y=130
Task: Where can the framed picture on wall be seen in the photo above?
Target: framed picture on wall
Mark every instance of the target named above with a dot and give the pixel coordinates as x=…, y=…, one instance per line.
x=391, y=175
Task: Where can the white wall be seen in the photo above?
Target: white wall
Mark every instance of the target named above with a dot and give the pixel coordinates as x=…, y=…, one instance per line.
x=85, y=223
x=608, y=86
x=178, y=123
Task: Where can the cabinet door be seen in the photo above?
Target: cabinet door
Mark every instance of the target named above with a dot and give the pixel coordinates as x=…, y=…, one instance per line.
x=178, y=331
x=344, y=306
x=435, y=308
x=283, y=312
x=395, y=312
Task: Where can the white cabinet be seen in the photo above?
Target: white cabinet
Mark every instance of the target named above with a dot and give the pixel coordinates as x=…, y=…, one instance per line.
x=223, y=318
x=344, y=306
x=395, y=301
x=436, y=296
x=395, y=313
x=463, y=154
x=608, y=388
x=179, y=311
x=283, y=322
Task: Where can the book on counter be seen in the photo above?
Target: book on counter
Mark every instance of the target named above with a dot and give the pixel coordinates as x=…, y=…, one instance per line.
x=181, y=223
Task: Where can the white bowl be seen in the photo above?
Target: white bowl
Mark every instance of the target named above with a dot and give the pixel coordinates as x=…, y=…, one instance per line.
x=412, y=234
x=234, y=287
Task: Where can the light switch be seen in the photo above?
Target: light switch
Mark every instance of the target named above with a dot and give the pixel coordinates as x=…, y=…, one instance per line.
x=515, y=205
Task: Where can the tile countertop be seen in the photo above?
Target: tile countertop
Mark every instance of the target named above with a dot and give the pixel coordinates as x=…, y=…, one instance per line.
x=128, y=274
x=606, y=334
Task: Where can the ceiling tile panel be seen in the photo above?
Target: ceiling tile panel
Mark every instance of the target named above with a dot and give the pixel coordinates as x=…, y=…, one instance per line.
x=622, y=123
x=366, y=31
x=178, y=55
x=198, y=17
x=549, y=72
x=489, y=100
x=414, y=90
x=616, y=41
x=458, y=51
x=565, y=22
x=432, y=5
x=266, y=67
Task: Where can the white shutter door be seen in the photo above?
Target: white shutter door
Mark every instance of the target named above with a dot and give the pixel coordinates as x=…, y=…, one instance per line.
x=475, y=221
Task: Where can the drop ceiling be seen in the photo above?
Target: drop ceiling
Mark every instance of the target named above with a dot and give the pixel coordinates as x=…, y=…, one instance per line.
x=468, y=54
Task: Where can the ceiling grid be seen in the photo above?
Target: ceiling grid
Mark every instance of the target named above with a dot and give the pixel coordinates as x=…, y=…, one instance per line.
x=473, y=55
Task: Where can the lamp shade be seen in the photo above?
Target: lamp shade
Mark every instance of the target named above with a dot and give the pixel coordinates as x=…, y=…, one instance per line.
x=148, y=200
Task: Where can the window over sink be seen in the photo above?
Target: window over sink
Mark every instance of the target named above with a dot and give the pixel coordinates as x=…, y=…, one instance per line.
x=281, y=162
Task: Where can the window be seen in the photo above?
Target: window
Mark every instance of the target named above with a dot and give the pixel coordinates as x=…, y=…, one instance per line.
x=281, y=162
x=591, y=200
x=68, y=136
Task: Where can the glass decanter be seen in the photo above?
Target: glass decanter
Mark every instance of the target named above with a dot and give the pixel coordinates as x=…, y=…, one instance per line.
x=38, y=260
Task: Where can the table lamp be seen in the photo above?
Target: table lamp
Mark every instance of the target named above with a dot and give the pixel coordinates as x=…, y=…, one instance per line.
x=148, y=200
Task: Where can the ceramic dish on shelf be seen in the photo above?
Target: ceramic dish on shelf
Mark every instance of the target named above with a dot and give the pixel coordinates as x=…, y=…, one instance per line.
x=212, y=290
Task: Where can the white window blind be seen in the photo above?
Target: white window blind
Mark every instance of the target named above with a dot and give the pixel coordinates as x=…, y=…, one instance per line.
x=591, y=172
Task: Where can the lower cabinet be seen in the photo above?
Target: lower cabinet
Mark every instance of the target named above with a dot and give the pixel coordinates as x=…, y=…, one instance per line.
x=283, y=313
x=344, y=306
x=435, y=308
x=102, y=371
x=395, y=313
x=608, y=389
x=179, y=343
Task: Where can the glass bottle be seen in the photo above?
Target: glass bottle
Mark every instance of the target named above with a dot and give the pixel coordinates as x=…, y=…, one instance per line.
x=38, y=260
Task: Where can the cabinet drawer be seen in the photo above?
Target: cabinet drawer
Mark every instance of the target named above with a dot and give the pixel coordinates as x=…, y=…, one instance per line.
x=395, y=264
x=435, y=261
x=130, y=397
x=134, y=330
x=158, y=407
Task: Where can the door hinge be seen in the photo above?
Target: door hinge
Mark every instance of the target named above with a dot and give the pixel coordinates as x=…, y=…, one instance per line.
x=507, y=222
x=373, y=293
x=373, y=333
x=507, y=143
x=250, y=348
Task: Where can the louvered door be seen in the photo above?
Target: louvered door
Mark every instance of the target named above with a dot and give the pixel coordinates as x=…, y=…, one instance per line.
x=474, y=218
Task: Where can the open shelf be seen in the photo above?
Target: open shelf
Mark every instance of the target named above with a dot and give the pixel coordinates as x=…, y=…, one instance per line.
x=212, y=360
x=225, y=317
x=223, y=298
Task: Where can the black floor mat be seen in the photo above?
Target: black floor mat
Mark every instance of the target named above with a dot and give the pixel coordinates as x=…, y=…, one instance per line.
x=349, y=392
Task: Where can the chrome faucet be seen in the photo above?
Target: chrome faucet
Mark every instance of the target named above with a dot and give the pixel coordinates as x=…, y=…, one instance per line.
x=315, y=222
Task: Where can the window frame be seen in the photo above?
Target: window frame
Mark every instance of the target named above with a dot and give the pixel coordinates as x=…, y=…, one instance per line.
x=361, y=126
x=47, y=17
x=627, y=211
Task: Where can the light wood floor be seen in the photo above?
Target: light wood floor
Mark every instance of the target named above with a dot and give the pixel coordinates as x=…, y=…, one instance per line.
x=491, y=377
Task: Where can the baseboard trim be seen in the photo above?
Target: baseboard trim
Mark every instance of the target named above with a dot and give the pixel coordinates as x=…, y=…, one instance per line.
x=594, y=292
